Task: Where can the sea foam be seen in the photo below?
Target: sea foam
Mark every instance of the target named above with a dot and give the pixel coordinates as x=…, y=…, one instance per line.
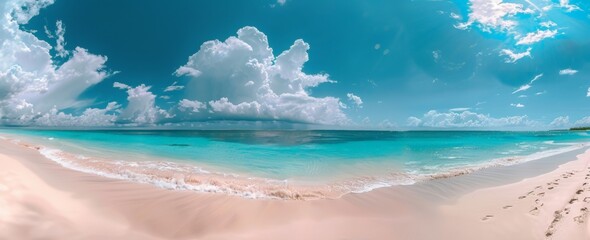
x=179, y=176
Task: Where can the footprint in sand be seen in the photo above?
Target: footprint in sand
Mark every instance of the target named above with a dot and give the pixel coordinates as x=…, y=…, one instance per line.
x=550, y=188
x=551, y=229
x=522, y=197
x=573, y=200
x=531, y=192
x=541, y=194
x=487, y=217
x=587, y=199
x=580, y=191
x=507, y=207
x=582, y=217
x=534, y=211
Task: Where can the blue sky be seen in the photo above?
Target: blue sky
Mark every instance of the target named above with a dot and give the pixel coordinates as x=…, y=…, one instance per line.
x=472, y=64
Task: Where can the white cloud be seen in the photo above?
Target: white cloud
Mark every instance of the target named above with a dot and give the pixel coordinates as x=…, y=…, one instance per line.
x=535, y=37
x=31, y=84
x=528, y=85
x=355, y=99
x=493, y=14
x=436, y=55
x=60, y=42
x=459, y=109
x=121, y=86
x=567, y=71
x=281, y=2
x=413, y=122
x=548, y=24
x=240, y=78
x=141, y=108
x=588, y=93
x=23, y=10
x=386, y=124
x=80, y=72
x=513, y=57
x=91, y=117
x=540, y=93
x=468, y=119
x=561, y=121
x=517, y=105
x=584, y=122
x=191, y=106
x=173, y=87
x=533, y=5
x=48, y=33
x=567, y=6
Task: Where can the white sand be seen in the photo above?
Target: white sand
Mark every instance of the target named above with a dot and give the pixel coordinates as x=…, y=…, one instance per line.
x=41, y=200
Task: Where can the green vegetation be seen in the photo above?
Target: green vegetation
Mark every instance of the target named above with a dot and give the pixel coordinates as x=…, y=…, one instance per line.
x=580, y=129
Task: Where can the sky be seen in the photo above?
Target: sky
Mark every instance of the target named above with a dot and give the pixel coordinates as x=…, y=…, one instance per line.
x=395, y=65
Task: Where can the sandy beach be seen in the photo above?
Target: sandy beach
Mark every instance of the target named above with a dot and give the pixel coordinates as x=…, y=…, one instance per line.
x=543, y=199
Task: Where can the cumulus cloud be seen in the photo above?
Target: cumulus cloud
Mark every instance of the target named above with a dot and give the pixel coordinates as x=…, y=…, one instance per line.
x=191, y=106
x=561, y=121
x=91, y=117
x=467, y=119
x=567, y=71
x=141, y=108
x=31, y=84
x=535, y=37
x=355, y=99
x=517, y=105
x=22, y=11
x=588, y=93
x=528, y=85
x=512, y=57
x=241, y=79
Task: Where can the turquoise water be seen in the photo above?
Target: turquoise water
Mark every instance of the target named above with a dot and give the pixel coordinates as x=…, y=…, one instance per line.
x=308, y=156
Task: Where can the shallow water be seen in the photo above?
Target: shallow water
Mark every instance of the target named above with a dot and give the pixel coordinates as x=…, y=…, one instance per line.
x=256, y=163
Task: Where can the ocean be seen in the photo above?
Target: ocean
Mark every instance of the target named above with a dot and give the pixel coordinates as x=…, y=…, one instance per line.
x=290, y=164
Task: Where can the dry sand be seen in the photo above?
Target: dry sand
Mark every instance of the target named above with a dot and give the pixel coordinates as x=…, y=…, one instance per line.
x=539, y=200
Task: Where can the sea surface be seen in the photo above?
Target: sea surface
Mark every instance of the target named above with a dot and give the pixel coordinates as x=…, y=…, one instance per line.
x=290, y=164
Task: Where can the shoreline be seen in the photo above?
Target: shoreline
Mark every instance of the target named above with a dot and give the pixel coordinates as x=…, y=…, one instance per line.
x=78, y=205
x=186, y=176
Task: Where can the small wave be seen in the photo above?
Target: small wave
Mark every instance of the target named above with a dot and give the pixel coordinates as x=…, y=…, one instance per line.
x=178, y=176
x=507, y=161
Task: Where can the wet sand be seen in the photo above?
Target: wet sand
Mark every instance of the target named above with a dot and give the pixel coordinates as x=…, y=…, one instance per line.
x=543, y=199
